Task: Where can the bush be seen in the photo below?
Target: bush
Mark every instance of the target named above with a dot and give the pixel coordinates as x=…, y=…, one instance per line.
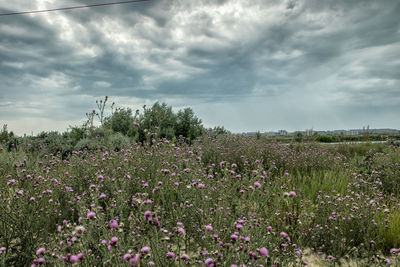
x=122, y=121
x=88, y=144
x=119, y=141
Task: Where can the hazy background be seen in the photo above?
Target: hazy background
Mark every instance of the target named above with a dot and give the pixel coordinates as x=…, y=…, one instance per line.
x=246, y=65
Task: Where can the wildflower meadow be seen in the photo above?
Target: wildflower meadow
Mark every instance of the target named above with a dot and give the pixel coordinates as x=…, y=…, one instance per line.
x=218, y=200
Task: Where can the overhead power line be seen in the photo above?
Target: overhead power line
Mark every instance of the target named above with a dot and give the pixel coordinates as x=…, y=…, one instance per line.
x=70, y=8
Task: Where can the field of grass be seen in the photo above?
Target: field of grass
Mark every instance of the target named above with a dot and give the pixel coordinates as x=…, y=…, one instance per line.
x=221, y=201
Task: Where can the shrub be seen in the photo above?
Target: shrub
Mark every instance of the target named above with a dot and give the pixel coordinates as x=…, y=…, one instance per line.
x=88, y=144
x=119, y=141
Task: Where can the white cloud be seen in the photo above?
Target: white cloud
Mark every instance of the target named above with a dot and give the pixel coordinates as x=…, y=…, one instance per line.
x=299, y=62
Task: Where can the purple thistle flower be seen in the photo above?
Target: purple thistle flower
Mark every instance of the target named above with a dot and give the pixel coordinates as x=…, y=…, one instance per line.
x=73, y=259
x=126, y=257
x=145, y=250
x=40, y=251
x=263, y=252
x=147, y=213
x=40, y=260
x=134, y=260
x=170, y=255
x=113, y=224
x=209, y=227
x=209, y=261
x=181, y=230
x=185, y=256
x=90, y=214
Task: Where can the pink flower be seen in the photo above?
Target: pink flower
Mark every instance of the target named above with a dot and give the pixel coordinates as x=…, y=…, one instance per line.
x=185, y=256
x=201, y=186
x=40, y=251
x=209, y=261
x=209, y=228
x=145, y=250
x=181, y=230
x=292, y=194
x=90, y=214
x=134, y=260
x=257, y=184
x=170, y=255
x=263, y=252
x=114, y=239
x=147, y=213
x=114, y=224
x=126, y=257
x=73, y=259
x=40, y=260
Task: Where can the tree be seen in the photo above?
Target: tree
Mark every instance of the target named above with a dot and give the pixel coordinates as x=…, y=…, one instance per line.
x=188, y=125
x=122, y=121
x=298, y=137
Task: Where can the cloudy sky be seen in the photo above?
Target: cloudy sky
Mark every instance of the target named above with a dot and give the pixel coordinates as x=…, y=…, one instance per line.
x=246, y=65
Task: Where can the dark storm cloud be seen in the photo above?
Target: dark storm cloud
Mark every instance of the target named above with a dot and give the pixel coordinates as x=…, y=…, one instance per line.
x=343, y=53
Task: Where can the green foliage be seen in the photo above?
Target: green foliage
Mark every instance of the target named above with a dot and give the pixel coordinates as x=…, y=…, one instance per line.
x=5, y=135
x=298, y=137
x=119, y=141
x=188, y=125
x=47, y=143
x=91, y=144
x=323, y=138
x=258, y=135
x=219, y=130
x=157, y=121
x=76, y=134
x=122, y=121
x=390, y=232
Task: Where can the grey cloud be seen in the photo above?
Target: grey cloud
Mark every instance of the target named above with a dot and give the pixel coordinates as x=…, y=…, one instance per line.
x=206, y=51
